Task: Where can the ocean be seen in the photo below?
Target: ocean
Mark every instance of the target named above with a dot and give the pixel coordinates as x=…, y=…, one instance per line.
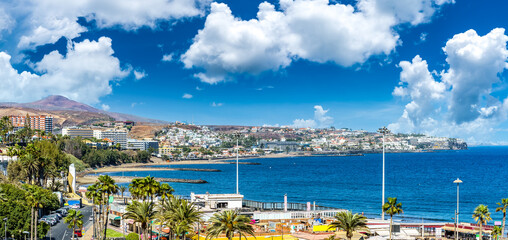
x=422, y=182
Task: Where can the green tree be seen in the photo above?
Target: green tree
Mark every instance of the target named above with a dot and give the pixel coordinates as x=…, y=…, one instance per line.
x=228, y=223
x=349, y=222
x=122, y=189
x=165, y=191
x=496, y=232
x=151, y=187
x=502, y=208
x=74, y=219
x=481, y=215
x=179, y=215
x=108, y=187
x=392, y=207
x=94, y=193
x=142, y=213
x=5, y=128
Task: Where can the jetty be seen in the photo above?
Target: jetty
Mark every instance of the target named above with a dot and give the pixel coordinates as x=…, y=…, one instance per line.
x=150, y=169
x=89, y=179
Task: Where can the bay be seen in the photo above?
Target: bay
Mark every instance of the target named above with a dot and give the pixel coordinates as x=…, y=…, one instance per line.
x=423, y=182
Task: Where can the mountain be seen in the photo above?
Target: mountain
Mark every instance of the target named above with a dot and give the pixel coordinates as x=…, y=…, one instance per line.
x=56, y=102
x=68, y=112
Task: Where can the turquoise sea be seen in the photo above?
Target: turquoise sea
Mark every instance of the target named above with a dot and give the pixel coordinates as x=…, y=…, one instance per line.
x=423, y=182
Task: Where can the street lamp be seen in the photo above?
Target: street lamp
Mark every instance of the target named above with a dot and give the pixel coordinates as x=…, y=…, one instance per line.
x=237, y=135
x=458, y=181
x=383, y=131
x=5, y=220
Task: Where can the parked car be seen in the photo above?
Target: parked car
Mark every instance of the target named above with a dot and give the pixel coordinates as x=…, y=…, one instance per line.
x=78, y=233
x=62, y=211
x=53, y=217
x=51, y=220
x=60, y=216
x=75, y=206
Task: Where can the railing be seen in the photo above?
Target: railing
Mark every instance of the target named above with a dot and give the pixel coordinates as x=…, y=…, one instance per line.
x=280, y=206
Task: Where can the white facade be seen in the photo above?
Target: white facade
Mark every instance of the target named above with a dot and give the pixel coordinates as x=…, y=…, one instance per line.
x=116, y=136
x=142, y=145
x=218, y=201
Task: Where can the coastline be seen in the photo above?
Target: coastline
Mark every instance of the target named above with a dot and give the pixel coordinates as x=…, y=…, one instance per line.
x=91, y=179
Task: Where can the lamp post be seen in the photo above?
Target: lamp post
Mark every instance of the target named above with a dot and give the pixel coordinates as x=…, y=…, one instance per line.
x=237, y=135
x=383, y=131
x=458, y=181
x=199, y=229
x=5, y=221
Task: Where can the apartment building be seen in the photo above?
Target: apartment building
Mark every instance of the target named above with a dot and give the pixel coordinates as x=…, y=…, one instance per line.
x=41, y=122
x=78, y=132
x=117, y=136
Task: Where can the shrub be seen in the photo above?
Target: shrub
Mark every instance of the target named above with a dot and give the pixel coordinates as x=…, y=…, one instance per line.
x=132, y=236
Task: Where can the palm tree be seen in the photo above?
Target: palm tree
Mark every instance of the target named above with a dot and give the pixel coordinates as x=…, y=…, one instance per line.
x=481, y=215
x=122, y=189
x=496, y=232
x=108, y=187
x=165, y=191
x=502, y=207
x=142, y=213
x=136, y=188
x=5, y=127
x=349, y=222
x=392, y=208
x=179, y=214
x=151, y=187
x=74, y=219
x=229, y=223
x=95, y=194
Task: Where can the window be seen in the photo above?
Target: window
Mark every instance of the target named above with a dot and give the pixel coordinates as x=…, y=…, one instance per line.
x=222, y=205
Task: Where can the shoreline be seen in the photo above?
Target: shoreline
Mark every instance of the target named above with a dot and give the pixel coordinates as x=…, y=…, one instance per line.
x=90, y=179
x=130, y=167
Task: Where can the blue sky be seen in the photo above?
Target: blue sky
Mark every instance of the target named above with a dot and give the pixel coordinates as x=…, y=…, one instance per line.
x=289, y=62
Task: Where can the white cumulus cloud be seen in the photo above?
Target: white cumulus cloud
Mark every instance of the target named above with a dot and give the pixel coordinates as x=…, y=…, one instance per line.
x=187, y=96
x=461, y=104
x=47, y=21
x=139, y=74
x=84, y=74
x=314, y=30
x=167, y=57
x=321, y=120
x=105, y=107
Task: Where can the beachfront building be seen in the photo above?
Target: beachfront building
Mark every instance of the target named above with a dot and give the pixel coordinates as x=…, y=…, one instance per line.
x=217, y=201
x=280, y=146
x=117, y=136
x=41, y=122
x=78, y=132
x=142, y=145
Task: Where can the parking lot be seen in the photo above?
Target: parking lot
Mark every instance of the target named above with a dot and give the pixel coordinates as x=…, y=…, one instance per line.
x=60, y=231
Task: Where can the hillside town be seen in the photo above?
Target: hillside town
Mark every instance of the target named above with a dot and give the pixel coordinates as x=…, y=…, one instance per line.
x=178, y=141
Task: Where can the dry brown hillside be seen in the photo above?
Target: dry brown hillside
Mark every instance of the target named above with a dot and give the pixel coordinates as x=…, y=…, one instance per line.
x=60, y=118
x=144, y=130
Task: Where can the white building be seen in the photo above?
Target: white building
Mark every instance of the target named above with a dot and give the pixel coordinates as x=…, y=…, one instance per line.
x=218, y=201
x=117, y=136
x=134, y=144
x=78, y=132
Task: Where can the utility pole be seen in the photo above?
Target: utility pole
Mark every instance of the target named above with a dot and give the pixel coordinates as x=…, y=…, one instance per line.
x=383, y=131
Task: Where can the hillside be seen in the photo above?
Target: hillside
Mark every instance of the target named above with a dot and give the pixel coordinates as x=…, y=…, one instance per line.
x=67, y=112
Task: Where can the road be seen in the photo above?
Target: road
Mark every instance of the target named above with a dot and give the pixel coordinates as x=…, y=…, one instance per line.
x=61, y=231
